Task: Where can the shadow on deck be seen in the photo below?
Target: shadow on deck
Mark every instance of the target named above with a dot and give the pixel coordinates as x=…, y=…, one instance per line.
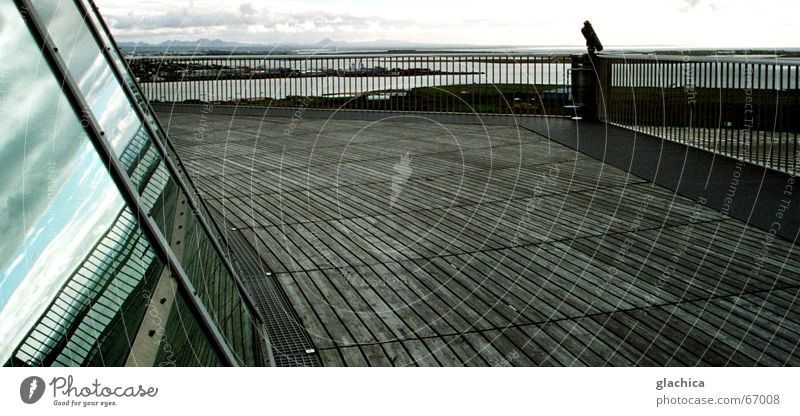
x=430, y=243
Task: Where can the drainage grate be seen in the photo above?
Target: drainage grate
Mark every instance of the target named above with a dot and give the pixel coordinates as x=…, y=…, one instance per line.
x=291, y=345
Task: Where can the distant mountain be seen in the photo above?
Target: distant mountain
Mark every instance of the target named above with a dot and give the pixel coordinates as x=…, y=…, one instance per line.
x=325, y=45
x=199, y=44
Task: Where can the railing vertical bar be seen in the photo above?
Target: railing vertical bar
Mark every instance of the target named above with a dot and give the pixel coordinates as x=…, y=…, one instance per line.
x=765, y=117
x=738, y=86
x=732, y=116
x=750, y=116
x=484, y=81
x=203, y=83
x=674, y=104
x=696, y=131
x=666, y=92
x=404, y=83
x=649, y=105
x=226, y=82
x=645, y=97
x=720, y=107
x=182, y=94
x=393, y=81
x=393, y=102
x=190, y=83
x=630, y=118
x=796, y=126
x=275, y=81
x=768, y=123
x=624, y=92
x=233, y=83
x=689, y=114
x=713, y=121
x=680, y=102
x=778, y=125
x=344, y=94
x=629, y=95
x=786, y=84
x=756, y=115
x=528, y=82
x=220, y=81
x=381, y=86
x=729, y=116
x=683, y=119
x=197, y=80
x=615, y=89
x=658, y=98
x=177, y=83
x=699, y=106
x=262, y=82
x=690, y=87
x=667, y=104
x=715, y=116
x=450, y=69
x=760, y=149
x=635, y=122
x=703, y=107
x=213, y=79
x=747, y=137
x=159, y=86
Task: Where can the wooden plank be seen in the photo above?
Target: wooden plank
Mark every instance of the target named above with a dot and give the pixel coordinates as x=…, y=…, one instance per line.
x=461, y=287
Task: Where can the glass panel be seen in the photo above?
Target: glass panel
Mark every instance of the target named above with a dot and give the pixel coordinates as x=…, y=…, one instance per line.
x=73, y=261
x=183, y=343
x=162, y=196
x=89, y=68
x=219, y=293
x=141, y=101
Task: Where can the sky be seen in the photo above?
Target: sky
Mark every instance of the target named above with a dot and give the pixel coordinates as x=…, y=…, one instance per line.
x=689, y=23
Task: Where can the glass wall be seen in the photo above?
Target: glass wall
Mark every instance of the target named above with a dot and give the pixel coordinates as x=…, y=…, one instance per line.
x=77, y=273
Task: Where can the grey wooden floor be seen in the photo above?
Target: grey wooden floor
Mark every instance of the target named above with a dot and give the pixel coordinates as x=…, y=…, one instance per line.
x=489, y=246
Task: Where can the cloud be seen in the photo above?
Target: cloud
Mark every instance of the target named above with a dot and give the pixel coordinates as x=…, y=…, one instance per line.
x=685, y=6
x=505, y=22
x=247, y=9
x=246, y=22
x=185, y=18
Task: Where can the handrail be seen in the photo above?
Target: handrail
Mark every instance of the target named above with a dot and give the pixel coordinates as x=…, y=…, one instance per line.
x=702, y=101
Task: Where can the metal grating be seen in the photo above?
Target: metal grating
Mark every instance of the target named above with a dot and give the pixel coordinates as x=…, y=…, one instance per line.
x=291, y=345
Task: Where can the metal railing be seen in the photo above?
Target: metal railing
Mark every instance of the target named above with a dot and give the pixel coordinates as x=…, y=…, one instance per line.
x=451, y=83
x=741, y=107
x=736, y=106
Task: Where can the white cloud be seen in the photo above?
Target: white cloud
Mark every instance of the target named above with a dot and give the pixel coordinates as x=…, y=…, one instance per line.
x=733, y=23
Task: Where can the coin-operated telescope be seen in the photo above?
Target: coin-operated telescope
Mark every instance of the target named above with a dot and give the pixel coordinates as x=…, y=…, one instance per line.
x=592, y=41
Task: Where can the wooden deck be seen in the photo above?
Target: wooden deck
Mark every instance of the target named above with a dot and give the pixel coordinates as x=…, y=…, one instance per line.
x=489, y=246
